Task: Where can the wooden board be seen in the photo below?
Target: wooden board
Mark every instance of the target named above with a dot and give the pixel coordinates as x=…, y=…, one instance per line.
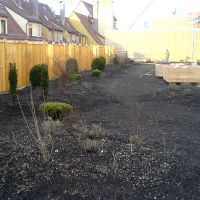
x=182, y=74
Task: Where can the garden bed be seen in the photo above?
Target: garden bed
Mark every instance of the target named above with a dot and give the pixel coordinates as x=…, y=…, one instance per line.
x=163, y=161
x=178, y=73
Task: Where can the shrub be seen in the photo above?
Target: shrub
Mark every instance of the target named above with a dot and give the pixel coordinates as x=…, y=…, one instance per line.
x=103, y=59
x=167, y=54
x=13, y=81
x=92, y=132
x=96, y=72
x=60, y=72
x=39, y=77
x=44, y=80
x=98, y=63
x=71, y=66
x=115, y=60
x=76, y=77
x=55, y=109
x=35, y=76
x=91, y=146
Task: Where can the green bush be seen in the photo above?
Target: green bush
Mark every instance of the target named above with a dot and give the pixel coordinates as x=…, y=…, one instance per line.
x=35, y=75
x=98, y=63
x=39, y=77
x=13, y=81
x=71, y=66
x=115, y=60
x=44, y=80
x=96, y=72
x=103, y=59
x=55, y=109
x=76, y=77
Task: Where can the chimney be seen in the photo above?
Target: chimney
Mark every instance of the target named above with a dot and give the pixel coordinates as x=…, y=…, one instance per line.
x=19, y=3
x=62, y=13
x=96, y=14
x=35, y=8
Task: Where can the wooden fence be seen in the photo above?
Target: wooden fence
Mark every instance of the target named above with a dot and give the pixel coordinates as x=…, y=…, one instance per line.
x=27, y=54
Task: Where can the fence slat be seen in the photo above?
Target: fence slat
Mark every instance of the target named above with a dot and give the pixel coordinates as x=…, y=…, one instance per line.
x=27, y=54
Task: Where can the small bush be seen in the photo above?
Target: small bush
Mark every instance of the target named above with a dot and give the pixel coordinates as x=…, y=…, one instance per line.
x=91, y=146
x=39, y=77
x=76, y=77
x=92, y=132
x=55, y=109
x=35, y=75
x=103, y=59
x=60, y=72
x=13, y=81
x=96, y=72
x=44, y=80
x=71, y=66
x=98, y=63
x=115, y=60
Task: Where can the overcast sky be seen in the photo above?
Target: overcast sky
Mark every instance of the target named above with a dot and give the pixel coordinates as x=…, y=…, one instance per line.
x=127, y=11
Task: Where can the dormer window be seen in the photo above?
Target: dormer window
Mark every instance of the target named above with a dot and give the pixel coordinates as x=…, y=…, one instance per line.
x=29, y=30
x=3, y=26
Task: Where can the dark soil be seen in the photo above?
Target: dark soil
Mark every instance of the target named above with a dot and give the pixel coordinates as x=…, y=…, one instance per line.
x=164, y=162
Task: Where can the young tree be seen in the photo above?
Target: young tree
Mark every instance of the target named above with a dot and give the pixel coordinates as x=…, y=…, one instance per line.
x=13, y=81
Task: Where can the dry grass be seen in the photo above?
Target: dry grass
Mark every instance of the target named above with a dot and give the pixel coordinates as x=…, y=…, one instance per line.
x=60, y=72
x=135, y=139
x=90, y=146
x=43, y=134
x=93, y=132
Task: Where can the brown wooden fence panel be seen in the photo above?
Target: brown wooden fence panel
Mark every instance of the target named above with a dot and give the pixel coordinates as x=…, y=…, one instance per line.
x=26, y=54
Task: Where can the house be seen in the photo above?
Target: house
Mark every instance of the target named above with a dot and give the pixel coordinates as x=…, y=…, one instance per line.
x=31, y=20
x=84, y=24
x=25, y=17
x=100, y=14
x=9, y=29
x=69, y=33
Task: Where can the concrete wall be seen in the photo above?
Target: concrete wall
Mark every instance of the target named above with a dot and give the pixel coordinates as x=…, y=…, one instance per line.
x=105, y=16
x=176, y=35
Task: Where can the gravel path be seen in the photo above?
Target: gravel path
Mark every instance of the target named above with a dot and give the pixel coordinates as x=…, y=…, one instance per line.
x=126, y=101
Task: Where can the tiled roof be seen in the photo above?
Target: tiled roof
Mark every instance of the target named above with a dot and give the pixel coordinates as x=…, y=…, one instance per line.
x=67, y=26
x=3, y=12
x=89, y=7
x=14, y=30
x=25, y=11
x=47, y=17
x=87, y=24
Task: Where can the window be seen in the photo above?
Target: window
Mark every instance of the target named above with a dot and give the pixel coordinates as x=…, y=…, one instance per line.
x=46, y=18
x=73, y=38
x=56, y=37
x=30, y=30
x=50, y=36
x=3, y=26
x=38, y=30
x=61, y=37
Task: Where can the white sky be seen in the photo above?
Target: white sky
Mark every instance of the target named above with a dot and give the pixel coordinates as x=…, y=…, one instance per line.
x=127, y=11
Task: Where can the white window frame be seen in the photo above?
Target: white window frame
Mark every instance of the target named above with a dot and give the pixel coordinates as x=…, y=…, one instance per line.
x=39, y=30
x=55, y=36
x=6, y=28
x=61, y=37
x=50, y=36
x=30, y=25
